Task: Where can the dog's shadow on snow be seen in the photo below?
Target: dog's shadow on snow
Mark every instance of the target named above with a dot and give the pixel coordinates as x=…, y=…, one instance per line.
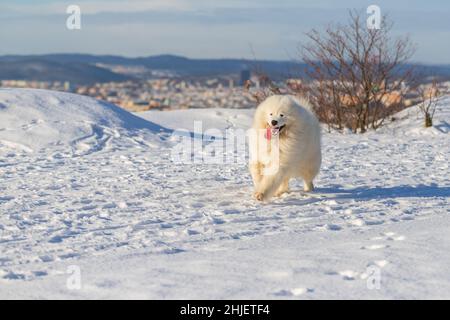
x=405, y=191
x=375, y=193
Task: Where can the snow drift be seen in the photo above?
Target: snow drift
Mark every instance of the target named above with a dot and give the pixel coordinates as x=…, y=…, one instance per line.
x=31, y=120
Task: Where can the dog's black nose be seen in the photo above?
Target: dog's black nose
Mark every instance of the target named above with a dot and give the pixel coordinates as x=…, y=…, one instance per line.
x=274, y=122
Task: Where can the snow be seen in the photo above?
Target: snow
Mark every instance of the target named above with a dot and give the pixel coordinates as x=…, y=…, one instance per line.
x=64, y=124
x=86, y=184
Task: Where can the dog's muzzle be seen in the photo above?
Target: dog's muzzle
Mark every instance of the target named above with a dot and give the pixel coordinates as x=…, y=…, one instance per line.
x=274, y=131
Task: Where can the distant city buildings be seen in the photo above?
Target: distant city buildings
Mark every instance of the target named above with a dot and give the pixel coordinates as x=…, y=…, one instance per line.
x=162, y=94
x=57, y=85
x=245, y=76
x=183, y=93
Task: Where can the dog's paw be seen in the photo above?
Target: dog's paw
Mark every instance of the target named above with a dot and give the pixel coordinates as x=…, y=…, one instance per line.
x=308, y=187
x=281, y=193
x=259, y=196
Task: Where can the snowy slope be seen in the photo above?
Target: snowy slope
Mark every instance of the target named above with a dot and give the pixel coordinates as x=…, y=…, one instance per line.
x=139, y=226
x=32, y=120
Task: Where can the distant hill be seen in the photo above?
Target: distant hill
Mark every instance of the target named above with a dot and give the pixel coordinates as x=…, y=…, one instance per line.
x=181, y=65
x=81, y=68
x=36, y=67
x=40, y=69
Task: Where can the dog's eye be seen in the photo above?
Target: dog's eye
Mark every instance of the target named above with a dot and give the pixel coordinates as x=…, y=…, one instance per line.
x=281, y=115
x=270, y=114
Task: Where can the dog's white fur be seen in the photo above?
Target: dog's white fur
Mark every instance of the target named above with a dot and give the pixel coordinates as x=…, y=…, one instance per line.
x=299, y=146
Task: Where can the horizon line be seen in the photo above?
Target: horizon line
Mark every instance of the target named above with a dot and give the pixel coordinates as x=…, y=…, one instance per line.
x=185, y=57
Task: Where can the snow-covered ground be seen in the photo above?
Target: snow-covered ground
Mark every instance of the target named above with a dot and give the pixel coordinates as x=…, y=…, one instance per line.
x=88, y=189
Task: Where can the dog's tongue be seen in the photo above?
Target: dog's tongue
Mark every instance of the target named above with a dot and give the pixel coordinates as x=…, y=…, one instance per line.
x=271, y=132
x=268, y=133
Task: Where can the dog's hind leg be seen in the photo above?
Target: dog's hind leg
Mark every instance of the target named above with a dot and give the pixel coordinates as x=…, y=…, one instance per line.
x=308, y=178
x=284, y=187
x=308, y=186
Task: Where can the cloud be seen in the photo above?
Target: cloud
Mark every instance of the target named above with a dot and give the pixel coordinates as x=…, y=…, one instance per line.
x=92, y=6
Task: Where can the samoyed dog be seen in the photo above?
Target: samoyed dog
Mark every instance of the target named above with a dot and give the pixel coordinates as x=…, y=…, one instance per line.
x=284, y=143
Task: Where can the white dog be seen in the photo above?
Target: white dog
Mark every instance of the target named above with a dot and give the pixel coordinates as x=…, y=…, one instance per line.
x=289, y=146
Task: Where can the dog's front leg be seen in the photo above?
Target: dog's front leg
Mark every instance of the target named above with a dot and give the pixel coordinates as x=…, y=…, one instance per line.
x=255, y=171
x=268, y=185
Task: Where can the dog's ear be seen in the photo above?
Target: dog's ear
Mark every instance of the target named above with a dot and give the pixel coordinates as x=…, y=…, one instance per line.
x=259, y=121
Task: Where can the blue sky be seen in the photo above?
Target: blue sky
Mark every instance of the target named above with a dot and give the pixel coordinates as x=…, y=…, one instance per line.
x=206, y=28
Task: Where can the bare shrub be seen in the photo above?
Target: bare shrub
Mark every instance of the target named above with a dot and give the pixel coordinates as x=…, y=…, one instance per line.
x=266, y=87
x=429, y=97
x=358, y=76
